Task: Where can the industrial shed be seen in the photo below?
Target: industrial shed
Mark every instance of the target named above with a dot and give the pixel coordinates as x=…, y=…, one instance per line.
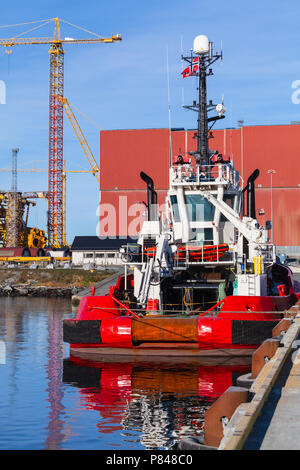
x=125, y=153
x=89, y=250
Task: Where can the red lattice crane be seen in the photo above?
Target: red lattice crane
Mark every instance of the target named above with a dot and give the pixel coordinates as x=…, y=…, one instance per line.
x=56, y=207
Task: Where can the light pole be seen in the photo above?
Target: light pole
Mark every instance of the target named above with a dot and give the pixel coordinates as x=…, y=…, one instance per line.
x=271, y=173
x=241, y=124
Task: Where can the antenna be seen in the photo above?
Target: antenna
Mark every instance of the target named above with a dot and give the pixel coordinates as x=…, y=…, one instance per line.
x=181, y=49
x=14, y=170
x=221, y=52
x=169, y=108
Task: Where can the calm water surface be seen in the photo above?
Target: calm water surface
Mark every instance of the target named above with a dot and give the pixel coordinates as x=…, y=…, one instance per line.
x=49, y=401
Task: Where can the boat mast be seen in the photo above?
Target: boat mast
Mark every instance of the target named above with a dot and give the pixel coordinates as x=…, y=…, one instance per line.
x=202, y=136
x=201, y=58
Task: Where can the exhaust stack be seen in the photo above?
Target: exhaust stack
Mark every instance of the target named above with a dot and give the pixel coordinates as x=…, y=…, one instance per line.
x=251, y=212
x=151, y=197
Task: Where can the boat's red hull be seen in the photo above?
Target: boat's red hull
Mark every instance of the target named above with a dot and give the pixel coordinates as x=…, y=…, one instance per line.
x=104, y=326
x=101, y=327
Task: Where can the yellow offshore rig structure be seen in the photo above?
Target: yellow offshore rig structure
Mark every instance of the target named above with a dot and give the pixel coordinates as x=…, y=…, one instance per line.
x=14, y=230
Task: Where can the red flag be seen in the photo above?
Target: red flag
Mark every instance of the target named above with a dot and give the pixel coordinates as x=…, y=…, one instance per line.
x=195, y=66
x=186, y=72
x=190, y=70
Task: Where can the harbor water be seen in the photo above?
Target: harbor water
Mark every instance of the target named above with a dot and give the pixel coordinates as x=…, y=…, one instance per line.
x=51, y=401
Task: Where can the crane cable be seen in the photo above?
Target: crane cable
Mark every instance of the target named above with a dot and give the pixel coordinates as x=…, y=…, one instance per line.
x=29, y=30
x=48, y=21
x=22, y=24
x=94, y=124
x=83, y=29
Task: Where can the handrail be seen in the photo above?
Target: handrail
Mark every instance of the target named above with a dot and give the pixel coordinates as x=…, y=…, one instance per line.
x=123, y=306
x=211, y=308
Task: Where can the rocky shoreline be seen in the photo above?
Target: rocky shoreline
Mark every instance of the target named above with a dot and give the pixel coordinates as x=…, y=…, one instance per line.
x=37, y=291
x=21, y=282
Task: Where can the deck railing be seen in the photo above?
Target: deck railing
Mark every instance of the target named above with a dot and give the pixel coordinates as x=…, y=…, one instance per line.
x=204, y=175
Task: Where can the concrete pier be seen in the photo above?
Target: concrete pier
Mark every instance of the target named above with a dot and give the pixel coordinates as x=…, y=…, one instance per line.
x=278, y=426
x=271, y=419
x=101, y=288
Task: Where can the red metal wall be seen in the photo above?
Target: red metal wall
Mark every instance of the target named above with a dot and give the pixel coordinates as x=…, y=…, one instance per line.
x=125, y=153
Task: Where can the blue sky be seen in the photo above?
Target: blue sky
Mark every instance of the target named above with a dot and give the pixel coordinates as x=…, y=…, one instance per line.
x=124, y=85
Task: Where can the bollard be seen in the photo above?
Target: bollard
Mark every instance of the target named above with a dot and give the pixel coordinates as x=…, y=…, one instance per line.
x=262, y=354
x=293, y=311
x=283, y=325
x=218, y=415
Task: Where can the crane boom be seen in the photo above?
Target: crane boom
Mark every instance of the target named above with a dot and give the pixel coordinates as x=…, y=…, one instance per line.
x=10, y=42
x=82, y=140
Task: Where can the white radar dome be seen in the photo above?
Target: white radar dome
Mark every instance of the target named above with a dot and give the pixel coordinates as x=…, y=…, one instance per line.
x=201, y=44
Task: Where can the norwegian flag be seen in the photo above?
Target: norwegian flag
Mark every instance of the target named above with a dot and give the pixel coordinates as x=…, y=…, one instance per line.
x=190, y=70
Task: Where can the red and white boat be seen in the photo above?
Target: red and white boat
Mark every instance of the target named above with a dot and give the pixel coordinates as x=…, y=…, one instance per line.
x=203, y=278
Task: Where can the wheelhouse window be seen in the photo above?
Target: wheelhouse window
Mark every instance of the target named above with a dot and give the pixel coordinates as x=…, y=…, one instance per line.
x=199, y=209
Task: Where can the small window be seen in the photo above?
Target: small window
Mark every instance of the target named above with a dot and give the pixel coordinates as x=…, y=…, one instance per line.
x=99, y=255
x=88, y=255
x=228, y=199
x=203, y=235
x=110, y=255
x=175, y=210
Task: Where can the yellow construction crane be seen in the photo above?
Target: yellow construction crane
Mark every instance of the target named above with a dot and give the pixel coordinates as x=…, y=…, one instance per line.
x=56, y=207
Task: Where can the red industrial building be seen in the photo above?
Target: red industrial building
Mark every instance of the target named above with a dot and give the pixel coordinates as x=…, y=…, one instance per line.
x=125, y=153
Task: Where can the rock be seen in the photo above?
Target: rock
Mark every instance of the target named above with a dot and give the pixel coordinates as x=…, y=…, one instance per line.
x=8, y=289
x=21, y=291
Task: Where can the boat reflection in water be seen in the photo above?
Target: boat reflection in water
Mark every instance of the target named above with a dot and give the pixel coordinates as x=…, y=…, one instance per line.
x=156, y=403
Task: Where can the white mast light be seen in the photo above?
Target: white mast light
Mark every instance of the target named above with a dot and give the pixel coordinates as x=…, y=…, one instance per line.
x=201, y=45
x=221, y=109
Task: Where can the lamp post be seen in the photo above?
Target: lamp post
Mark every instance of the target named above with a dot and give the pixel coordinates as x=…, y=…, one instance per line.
x=241, y=124
x=271, y=173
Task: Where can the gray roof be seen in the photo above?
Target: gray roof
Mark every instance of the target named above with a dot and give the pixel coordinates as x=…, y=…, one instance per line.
x=83, y=243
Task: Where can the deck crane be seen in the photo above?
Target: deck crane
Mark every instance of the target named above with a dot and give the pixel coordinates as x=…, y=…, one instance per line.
x=56, y=87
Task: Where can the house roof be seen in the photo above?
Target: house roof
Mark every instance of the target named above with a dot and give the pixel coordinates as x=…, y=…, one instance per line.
x=82, y=243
